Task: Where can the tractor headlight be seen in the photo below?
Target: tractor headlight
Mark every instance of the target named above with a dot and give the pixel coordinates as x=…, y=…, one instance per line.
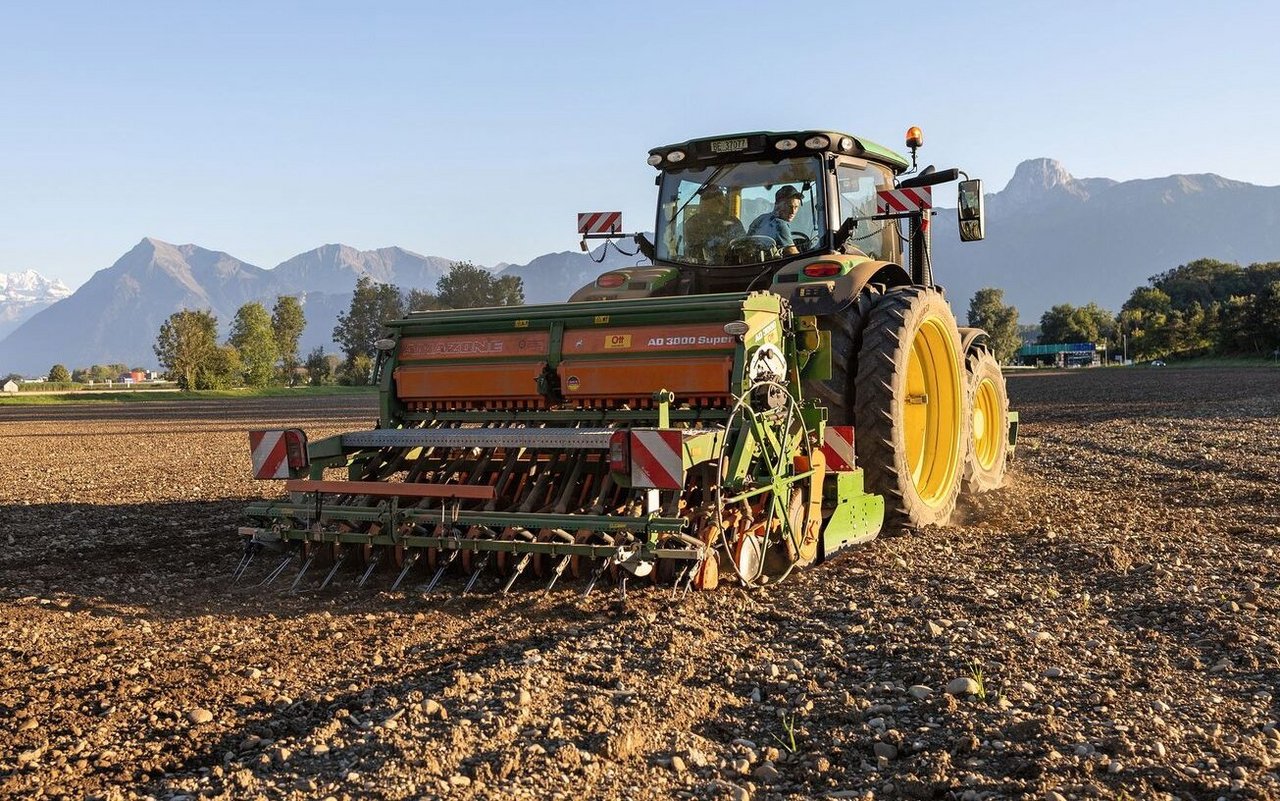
x=785, y=144
x=675, y=156
x=654, y=160
x=384, y=344
x=817, y=142
x=846, y=143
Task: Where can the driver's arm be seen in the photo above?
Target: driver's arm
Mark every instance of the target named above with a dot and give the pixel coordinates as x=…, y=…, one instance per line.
x=786, y=243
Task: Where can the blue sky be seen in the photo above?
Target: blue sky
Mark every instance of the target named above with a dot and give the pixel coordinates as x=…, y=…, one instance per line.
x=478, y=130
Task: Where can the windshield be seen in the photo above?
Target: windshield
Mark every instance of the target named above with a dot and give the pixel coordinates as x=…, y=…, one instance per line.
x=743, y=213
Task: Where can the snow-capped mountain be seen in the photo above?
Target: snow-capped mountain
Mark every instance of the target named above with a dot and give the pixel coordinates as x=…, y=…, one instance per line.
x=25, y=293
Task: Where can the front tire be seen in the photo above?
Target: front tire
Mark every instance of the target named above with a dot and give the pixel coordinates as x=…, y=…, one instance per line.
x=910, y=407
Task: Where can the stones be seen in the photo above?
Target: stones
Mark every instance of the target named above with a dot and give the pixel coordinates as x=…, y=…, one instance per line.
x=199, y=715
x=1054, y=673
x=962, y=685
x=919, y=691
x=766, y=773
x=885, y=750
x=678, y=766
x=524, y=698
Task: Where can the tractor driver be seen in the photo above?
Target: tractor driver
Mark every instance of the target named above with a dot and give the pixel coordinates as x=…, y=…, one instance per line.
x=713, y=227
x=776, y=224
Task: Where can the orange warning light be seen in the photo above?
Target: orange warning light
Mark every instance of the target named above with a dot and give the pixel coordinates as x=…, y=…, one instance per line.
x=915, y=137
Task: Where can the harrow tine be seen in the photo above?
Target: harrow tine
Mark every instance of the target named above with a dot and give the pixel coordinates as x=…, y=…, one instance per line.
x=298, y=580
x=595, y=576
x=475, y=575
x=440, y=573
x=515, y=574
x=555, y=574
x=250, y=549
x=333, y=571
x=675, y=585
x=277, y=571
x=368, y=571
x=694, y=569
x=409, y=562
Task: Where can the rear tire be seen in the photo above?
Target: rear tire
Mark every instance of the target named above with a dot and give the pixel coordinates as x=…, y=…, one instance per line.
x=911, y=410
x=846, y=327
x=984, y=466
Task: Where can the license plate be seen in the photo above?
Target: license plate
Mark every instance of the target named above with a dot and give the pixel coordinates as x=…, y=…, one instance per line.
x=728, y=145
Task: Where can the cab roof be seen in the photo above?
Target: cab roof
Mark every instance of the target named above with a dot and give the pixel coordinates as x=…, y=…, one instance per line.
x=758, y=144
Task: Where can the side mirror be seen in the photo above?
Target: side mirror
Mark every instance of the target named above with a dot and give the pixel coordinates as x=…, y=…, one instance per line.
x=970, y=211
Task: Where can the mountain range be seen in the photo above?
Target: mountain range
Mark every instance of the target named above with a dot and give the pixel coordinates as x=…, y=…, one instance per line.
x=116, y=314
x=1051, y=238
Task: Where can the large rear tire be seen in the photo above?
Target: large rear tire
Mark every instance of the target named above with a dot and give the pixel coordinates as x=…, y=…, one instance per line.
x=984, y=467
x=836, y=393
x=911, y=411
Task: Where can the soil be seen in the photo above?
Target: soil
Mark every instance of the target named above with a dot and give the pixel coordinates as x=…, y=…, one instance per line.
x=1104, y=626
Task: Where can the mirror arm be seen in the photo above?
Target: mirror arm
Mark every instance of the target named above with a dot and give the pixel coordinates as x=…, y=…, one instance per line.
x=647, y=248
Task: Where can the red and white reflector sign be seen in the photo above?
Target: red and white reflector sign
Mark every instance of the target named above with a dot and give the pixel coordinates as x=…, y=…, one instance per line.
x=276, y=453
x=889, y=201
x=600, y=222
x=837, y=446
x=657, y=458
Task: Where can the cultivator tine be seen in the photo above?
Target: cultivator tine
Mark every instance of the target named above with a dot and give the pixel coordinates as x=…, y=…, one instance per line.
x=475, y=575
x=515, y=574
x=277, y=571
x=431, y=585
x=685, y=575
x=368, y=571
x=409, y=562
x=557, y=572
x=333, y=571
x=695, y=569
x=250, y=549
x=595, y=576
x=298, y=579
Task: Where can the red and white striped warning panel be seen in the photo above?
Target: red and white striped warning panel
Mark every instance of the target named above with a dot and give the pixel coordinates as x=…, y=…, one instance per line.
x=275, y=453
x=657, y=458
x=837, y=446
x=898, y=200
x=600, y=222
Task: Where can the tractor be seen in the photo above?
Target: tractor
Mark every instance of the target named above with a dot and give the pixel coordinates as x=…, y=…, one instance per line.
x=780, y=380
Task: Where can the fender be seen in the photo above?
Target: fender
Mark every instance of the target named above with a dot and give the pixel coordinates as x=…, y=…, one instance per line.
x=971, y=339
x=824, y=296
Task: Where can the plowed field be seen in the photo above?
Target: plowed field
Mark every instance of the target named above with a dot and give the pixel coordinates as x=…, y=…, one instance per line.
x=1105, y=626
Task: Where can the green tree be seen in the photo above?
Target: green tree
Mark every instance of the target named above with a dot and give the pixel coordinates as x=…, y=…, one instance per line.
x=988, y=312
x=1067, y=323
x=80, y=375
x=372, y=305
x=321, y=369
x=287, y=323
x=16, y=377
x=222, y=370
x=185, y=346
x=59, y=374
x=253, y=338
x=467, y=286
x=422, y=300
x=358, y=371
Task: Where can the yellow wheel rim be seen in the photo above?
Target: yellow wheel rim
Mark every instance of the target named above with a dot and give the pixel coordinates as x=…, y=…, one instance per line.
x=931, y=412
x=986, y=424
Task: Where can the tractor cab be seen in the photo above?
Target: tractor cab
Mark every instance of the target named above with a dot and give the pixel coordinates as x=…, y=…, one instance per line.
x=768, y=198
x=756, y=210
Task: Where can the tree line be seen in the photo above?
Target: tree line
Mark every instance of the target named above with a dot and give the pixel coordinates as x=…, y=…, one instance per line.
x=262, y=347
x=1203, y=308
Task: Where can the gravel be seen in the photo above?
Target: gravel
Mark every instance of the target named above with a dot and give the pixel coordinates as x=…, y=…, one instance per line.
x=1139, y=530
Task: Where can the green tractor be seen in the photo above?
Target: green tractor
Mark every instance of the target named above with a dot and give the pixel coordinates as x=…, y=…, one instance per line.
x=818, y=218
x=779, y=383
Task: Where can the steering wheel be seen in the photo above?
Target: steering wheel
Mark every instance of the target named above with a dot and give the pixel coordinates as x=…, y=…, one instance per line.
x=752, y=247
x=802, y=241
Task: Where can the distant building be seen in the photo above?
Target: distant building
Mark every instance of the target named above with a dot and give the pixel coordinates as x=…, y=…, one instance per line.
x=1062, y=354
x=10, y=386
